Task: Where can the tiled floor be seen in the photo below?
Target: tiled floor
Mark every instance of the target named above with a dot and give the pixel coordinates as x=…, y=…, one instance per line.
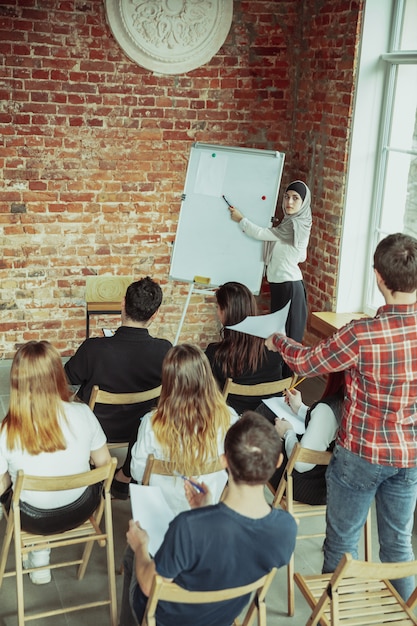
x=64, y=585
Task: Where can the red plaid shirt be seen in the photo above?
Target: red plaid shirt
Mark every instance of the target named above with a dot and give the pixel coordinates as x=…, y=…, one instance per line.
x=379, y=356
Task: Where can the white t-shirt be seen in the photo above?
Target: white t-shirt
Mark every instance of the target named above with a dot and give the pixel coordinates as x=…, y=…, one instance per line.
x=83, y=434
x=173, y=487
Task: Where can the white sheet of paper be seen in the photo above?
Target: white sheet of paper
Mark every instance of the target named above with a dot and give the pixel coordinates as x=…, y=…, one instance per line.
x=211, y=174
x=152, y=511
x=281, y=409
x=264, y=325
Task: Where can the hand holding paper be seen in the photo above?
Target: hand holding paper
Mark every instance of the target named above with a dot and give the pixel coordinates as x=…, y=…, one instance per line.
x=150, y=508
x=136, y=535
x=281, y=409
x=282, y=425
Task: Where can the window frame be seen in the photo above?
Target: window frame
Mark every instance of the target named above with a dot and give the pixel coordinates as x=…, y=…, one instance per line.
x=373, y=110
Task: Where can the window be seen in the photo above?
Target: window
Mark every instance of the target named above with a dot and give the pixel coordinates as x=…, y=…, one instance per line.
x=382, y=183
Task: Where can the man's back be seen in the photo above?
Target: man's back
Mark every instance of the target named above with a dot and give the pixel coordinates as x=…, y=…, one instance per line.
x=129, y=361
x=383, y=387
x=215, y=547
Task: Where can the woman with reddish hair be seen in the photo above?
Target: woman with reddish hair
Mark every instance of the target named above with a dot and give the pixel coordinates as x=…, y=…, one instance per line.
x=322, y=421
x=44, y=433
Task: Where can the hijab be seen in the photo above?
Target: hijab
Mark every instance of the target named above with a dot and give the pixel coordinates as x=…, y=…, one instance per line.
x=295, y=228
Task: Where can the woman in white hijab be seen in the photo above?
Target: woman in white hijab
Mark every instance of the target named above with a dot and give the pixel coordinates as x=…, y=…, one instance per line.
x=285, y=246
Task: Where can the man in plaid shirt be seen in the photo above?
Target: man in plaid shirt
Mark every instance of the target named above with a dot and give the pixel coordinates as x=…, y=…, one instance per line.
x=376, y=451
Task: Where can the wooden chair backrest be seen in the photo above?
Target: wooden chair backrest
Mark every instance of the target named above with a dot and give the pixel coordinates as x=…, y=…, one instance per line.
x=260, y=389
x=171, y=592
x=164, y=468
x=352, y=572
x=26, y=482
x=98, y=396
x=298, y=455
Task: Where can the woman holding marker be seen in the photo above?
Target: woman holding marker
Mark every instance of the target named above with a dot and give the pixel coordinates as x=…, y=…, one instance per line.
x=187, y=428
x=285, y=246
x=238, y=355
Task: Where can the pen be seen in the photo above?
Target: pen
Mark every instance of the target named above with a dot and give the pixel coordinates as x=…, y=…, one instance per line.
x=296, y=384
x=227, y=202
x=195, y=485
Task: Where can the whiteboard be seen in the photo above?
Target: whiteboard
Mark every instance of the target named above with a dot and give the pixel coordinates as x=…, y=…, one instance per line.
x=208, y=243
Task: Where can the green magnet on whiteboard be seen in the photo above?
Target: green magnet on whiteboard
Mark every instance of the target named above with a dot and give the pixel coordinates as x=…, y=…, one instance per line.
x=213, y=155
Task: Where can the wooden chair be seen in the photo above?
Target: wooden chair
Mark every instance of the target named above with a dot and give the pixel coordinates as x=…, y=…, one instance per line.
x=87, y=533
x=106, y=397
x=284, y=498
x=164, y=468
x=170, y=592
x=260, y=389
x=359, y=593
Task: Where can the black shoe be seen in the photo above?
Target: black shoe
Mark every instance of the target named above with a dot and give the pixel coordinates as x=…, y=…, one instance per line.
x=119, y=490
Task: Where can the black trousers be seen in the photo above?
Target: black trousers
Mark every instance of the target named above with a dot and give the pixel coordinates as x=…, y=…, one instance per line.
x=58, y=520
x=281, y=293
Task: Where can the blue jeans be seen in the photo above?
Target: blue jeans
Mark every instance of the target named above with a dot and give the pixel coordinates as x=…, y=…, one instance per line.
x=352, y=485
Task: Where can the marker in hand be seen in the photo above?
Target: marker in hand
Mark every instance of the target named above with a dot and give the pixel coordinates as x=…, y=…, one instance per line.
x=297, y=383
x=227, y=202
x=195, y=485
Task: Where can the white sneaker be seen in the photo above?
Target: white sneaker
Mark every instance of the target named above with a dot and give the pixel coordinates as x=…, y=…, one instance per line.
x=38, y=558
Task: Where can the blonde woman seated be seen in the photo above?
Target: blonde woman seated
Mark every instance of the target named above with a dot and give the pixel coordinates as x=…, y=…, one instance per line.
x=45, y=434
x=187, y=428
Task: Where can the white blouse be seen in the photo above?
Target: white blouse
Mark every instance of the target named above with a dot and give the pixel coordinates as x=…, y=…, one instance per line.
x=319, y=434
x=285, y=258
x=173, y=487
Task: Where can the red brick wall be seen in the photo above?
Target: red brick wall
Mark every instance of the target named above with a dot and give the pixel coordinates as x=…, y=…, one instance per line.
x=94, y=150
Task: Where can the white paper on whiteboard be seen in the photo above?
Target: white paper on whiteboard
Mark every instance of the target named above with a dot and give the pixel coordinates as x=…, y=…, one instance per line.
x=264, y=325
x=281, y=409
x=152, y=511
x=210, y=174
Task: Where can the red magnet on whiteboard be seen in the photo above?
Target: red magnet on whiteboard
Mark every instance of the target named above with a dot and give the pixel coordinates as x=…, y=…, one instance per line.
x=263, y=197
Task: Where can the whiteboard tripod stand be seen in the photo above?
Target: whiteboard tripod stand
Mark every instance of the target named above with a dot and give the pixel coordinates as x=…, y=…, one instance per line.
x=203, y=288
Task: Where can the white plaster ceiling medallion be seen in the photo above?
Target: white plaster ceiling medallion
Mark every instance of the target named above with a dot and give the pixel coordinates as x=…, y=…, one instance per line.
x=170, y=36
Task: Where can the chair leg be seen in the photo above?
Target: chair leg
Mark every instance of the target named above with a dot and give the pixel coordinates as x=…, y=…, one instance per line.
x=85, y=558
x=368, y=538
x=5, y=548
x=95, y=520
x=19, y=585
x=290, y=586
x=262, y=614
x=111, y=563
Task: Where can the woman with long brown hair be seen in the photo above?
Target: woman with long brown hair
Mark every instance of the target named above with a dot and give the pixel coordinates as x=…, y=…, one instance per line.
x=45, y=434
x=188, y=426
x=238, y=355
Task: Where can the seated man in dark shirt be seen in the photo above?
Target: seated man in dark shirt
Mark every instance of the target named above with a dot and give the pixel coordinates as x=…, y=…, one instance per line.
x=129, y=361
x=228, y=544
